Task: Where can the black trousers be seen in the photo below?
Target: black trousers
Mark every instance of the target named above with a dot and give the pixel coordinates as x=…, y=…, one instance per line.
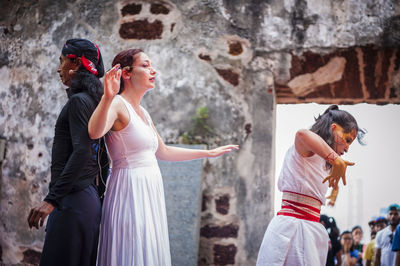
x=72, y=230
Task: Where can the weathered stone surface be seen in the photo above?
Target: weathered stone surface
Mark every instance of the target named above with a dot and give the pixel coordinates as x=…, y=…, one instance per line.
x=235, y=48
x=131, y=9
x=205, y=57
x=225, y=231
x=229, y=75
x=222, y=204
x=329, y=73
x=149, y=20
x=391, y=32
x=31, y=257
x=141, y=30
x=356, y=74
x=224, y=255
x=159, y=9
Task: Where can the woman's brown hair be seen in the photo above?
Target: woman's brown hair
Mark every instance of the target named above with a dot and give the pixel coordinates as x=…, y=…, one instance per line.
x=126, y=58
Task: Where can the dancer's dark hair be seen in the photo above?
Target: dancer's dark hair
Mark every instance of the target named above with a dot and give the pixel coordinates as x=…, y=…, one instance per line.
x=126, y=58
x=322, y=125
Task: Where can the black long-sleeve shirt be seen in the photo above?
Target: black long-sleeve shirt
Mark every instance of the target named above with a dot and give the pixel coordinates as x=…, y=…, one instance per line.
x=73, y=164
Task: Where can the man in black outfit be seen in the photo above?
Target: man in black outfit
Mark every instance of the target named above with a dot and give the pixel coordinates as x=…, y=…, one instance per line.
x=73, y=203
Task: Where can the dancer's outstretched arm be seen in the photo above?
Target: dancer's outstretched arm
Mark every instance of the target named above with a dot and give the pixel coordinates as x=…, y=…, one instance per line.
x=170, y=153
x=105, y=114
x=307, y=143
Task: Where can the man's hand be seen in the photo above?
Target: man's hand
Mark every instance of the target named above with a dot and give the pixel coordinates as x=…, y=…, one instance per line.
x=39, y=214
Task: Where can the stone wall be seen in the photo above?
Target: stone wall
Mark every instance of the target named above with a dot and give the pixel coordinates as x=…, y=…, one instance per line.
x=236, y=57
x=346, y=76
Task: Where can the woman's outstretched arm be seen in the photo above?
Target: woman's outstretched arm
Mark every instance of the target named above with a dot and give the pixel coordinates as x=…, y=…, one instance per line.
x=105, y=113
x=170, y=153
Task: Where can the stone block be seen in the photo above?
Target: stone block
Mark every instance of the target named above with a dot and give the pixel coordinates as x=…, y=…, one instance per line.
x=229, y=75
x=159, y=9
x=31, y=257
x=141, y=29
x=222, y=204
x=224, y=255
x=131, y=9
x=226, y=231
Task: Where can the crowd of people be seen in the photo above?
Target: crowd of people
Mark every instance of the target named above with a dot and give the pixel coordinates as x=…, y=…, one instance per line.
x=383, y=249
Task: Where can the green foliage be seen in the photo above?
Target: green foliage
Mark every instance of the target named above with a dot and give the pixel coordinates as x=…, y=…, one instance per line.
x=200, y=129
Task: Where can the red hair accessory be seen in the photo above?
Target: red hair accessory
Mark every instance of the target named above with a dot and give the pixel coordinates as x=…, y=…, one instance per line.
x=71, y=56
x=89, y=65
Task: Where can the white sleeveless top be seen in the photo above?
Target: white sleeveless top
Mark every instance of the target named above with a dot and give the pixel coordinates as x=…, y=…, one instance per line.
x=304, y=175
x=136, y=144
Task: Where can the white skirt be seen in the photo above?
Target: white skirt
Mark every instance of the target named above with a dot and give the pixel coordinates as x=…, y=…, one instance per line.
x=292, y=241
x=134, y=229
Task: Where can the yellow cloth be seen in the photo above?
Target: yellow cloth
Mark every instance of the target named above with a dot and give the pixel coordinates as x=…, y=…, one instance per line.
x=370, y=251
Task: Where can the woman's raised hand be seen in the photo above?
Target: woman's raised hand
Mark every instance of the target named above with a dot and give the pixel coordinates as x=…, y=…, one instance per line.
x=222, y=150
x=112, y=81
x=338, y=171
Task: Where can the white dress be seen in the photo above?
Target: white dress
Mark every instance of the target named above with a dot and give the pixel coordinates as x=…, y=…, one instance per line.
x=134, y=222
x=289, y=240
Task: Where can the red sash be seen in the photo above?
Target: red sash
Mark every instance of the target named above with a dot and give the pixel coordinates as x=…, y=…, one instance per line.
x=300, y=206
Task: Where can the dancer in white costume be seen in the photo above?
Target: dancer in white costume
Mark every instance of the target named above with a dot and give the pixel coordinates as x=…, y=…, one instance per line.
x=134, y=223
x=295, y=236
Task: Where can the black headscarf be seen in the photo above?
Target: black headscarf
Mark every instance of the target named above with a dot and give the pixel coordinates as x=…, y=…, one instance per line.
x=87, y=76
x=88, y=52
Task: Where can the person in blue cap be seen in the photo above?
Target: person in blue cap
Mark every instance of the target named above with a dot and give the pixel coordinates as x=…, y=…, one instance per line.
x=72, y=203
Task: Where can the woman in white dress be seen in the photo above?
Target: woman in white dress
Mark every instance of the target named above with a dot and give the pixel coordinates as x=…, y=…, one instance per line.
x=134, y=223
x=295, y=236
